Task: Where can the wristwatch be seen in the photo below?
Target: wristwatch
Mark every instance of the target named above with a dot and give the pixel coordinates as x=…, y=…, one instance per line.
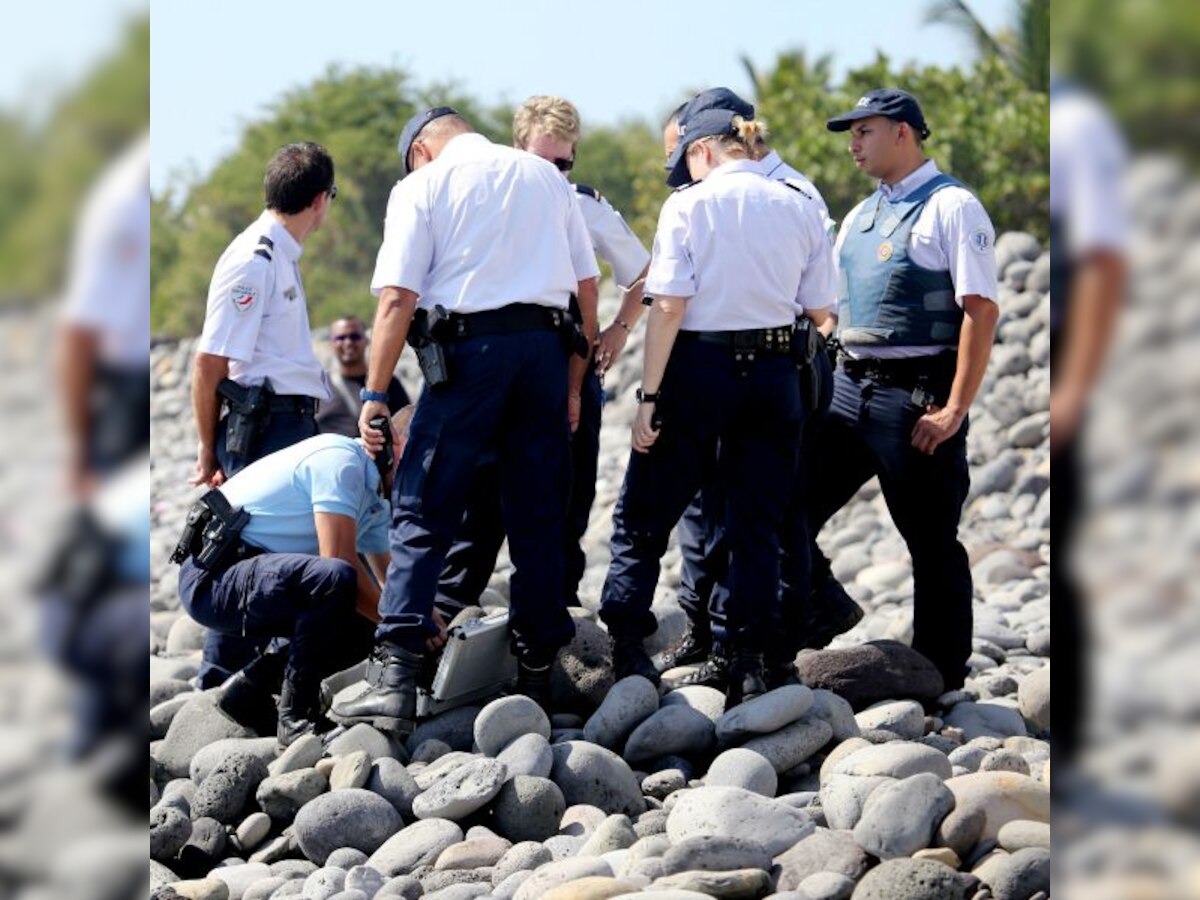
x=643, y=397
x=367, y=396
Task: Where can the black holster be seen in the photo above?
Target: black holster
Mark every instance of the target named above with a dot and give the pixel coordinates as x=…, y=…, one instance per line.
x=427, y=336
x=807, y=342
x=570, y=330
x=247, y=415
x=211, y=533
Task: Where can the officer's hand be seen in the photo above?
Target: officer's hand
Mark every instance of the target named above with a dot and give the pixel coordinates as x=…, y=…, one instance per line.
x=644, y=433
x=372, y=439
x=938, y=425
x=574, y=410
x=208, y=470
x=438, y=641
x=609, y=346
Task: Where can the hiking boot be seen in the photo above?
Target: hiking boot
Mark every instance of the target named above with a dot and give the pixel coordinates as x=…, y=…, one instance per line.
x=834, y=612
x=391, y=702
x=247, y=696
x=534, y=683
x=713, y=672
x=299, y=713
x=695, y=647
x=629, y=657
x=745, y=679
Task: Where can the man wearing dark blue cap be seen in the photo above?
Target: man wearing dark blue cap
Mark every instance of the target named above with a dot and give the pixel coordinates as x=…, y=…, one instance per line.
x=916, y=319
x=487, y=242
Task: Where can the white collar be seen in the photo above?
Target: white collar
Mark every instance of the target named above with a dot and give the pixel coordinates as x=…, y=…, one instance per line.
x=280, y=236
x=736, y=165
x=924, y=173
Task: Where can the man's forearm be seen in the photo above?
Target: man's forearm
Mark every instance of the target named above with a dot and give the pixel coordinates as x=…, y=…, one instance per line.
x=661, y=329
x=393, y=316
x=1096, y=297
x=630, y=311
x=76, y=367
x=207, y=373
x=974, y=350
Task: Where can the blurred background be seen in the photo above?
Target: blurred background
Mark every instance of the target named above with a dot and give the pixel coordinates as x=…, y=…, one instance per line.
x=85, y=218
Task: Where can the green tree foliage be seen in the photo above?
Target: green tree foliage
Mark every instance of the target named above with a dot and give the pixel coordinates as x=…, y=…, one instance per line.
x=1024, y=47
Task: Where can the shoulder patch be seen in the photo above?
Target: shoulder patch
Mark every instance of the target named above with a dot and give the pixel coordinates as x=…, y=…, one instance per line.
x=796, y=186
x=243, y=297
x=980, y=240
x=588, y=191
x=263, y=253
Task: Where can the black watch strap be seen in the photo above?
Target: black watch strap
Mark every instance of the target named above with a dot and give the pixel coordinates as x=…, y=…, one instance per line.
x=643, y=397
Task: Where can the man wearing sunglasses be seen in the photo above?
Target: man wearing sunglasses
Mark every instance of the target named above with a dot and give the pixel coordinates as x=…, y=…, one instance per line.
x=348, y=335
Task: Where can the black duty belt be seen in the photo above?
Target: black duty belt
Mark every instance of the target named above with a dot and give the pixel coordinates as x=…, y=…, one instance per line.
x=906, y=372
x=766, y=340
x=293, y=403
x=511, y=319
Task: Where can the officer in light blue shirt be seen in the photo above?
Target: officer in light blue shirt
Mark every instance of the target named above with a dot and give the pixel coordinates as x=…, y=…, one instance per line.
x=313, y=508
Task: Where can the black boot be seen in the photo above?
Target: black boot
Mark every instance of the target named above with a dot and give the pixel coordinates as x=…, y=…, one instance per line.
x=630, y=658
x=534, y=683
x=745, y=678
x=694, y=648
x=299, y=710
x=713, y=672
x=780, y=669
x=833, y=612
x=247, y=696
x=391, y=703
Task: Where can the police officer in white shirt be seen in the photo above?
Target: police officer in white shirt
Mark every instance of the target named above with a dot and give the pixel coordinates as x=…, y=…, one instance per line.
x=737, y=258
x=256, y=338
x=550, y=127
x=916, y=319
x=490, y=241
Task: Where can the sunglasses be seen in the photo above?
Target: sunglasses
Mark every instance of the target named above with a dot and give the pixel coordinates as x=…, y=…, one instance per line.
x=563, y=165
x=355, y=336
x=332, y=193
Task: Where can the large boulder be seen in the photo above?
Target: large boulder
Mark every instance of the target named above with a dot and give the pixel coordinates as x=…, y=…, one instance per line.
x=631, y=701
x=821, y=851
x=914, y=879
x=348, y=818
x=866, y=674
x=506, y=719
x=590, y=774
x=199, y=723
x=736, y=812
x=420, y=844
x=582, y=675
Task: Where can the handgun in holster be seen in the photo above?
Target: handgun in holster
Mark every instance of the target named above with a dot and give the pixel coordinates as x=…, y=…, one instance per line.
x=211, y=532
x=570, y=330
x=247, y=415
x=807, y=342
x=427, y=336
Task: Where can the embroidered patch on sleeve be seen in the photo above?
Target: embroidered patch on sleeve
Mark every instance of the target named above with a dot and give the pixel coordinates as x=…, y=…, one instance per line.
x=980, y=240
x=244, y=297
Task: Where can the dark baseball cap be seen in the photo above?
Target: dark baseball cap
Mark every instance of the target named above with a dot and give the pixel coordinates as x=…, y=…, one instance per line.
x=412, y=129
x=708, y=123
x=891, y=102
x=713, y=98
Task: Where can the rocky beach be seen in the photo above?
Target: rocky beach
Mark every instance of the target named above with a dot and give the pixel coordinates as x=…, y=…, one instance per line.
x=868, y=781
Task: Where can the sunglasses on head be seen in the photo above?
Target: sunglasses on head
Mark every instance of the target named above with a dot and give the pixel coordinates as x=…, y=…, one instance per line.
x=351, y=336
x=563, y=165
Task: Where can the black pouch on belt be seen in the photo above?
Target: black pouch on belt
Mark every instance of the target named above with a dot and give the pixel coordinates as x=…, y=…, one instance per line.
x=247, y=415
x=425, y=337
x=570, y=329
x=212, y=532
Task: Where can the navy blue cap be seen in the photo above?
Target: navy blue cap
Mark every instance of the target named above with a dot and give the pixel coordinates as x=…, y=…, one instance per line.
x=412, y=129
x=716, y=98
x=891, y=102
x=708, y=123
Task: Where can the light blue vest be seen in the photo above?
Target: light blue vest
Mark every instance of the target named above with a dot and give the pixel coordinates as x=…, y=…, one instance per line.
x=886, y=299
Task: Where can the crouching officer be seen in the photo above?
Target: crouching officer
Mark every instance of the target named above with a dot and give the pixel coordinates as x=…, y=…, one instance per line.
x=485, y=245
x=274, y=553
x=916, y=318
x=736, y=258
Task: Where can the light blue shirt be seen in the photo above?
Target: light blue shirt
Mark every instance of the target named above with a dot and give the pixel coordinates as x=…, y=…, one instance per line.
x=329, y=473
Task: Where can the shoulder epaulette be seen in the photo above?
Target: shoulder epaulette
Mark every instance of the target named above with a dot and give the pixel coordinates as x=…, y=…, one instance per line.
x=265, y=246
x=263, y=253
x=588, y=191
x=796, y=186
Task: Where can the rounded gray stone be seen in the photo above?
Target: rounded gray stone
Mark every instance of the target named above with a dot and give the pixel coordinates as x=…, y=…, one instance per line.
x=349, y=895
x=350, y=771
x=793, y=744
x=419, y=844
x=765, y=714
x=264, y=888
x=225, y=790
x=587, y=773
x=364, y=878
x=346, y=858
x=253, y=830
x=914, y=879
x=463, y=790
x=528, y=754
x=987, y=718
x=551, y=875
x=905, y=718
x=735, y=812
x=714, y=853
x=836, y=711
x=502, y=721
x=207, y=758
x=324, y=883
x=361, y=737
x=827, y=886
x=204, y=848
x=507, y=889
x=520, y=857
x=700, y=697
x=631, y=701
x=473, y=853
x=454, y=728
x=843, y=797
x=868, y=673
x=1033, y=696
x=895, y=760
x=348, y=818
x=821, y=851
x=739, y=767
x=900, y=818
x=1019, y=875
x=614, y=833
x=430, y=750
x=528, y=808
x=1021, y=834
x=169, y=831
x=402, y=886
x=663, y=784
x=199, y=723
x=390, y=780
x=283, y=796
x=673, y=729
x=302, y=753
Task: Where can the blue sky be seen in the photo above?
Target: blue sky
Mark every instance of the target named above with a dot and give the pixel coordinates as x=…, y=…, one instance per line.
x=216, y=65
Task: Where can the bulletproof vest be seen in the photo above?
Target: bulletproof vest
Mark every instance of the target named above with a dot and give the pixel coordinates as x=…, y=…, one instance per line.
x=886, y=299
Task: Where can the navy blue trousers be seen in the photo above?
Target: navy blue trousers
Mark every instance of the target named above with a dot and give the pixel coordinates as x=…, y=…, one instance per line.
x=224, y=653
x=869, y=432
x=736, y=425
x=507, y=393
x=704, y=575
x=308, y=599
x=472, y=557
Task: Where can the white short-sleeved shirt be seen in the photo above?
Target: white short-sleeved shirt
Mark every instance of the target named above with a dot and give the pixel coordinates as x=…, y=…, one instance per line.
x=257, y=313
x=613, y=240
x=1087, y=165
x=777, y=170
x=109, y=287
x=952, y=233
x=484, y=226
x=329, y=473
x=749, y=252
